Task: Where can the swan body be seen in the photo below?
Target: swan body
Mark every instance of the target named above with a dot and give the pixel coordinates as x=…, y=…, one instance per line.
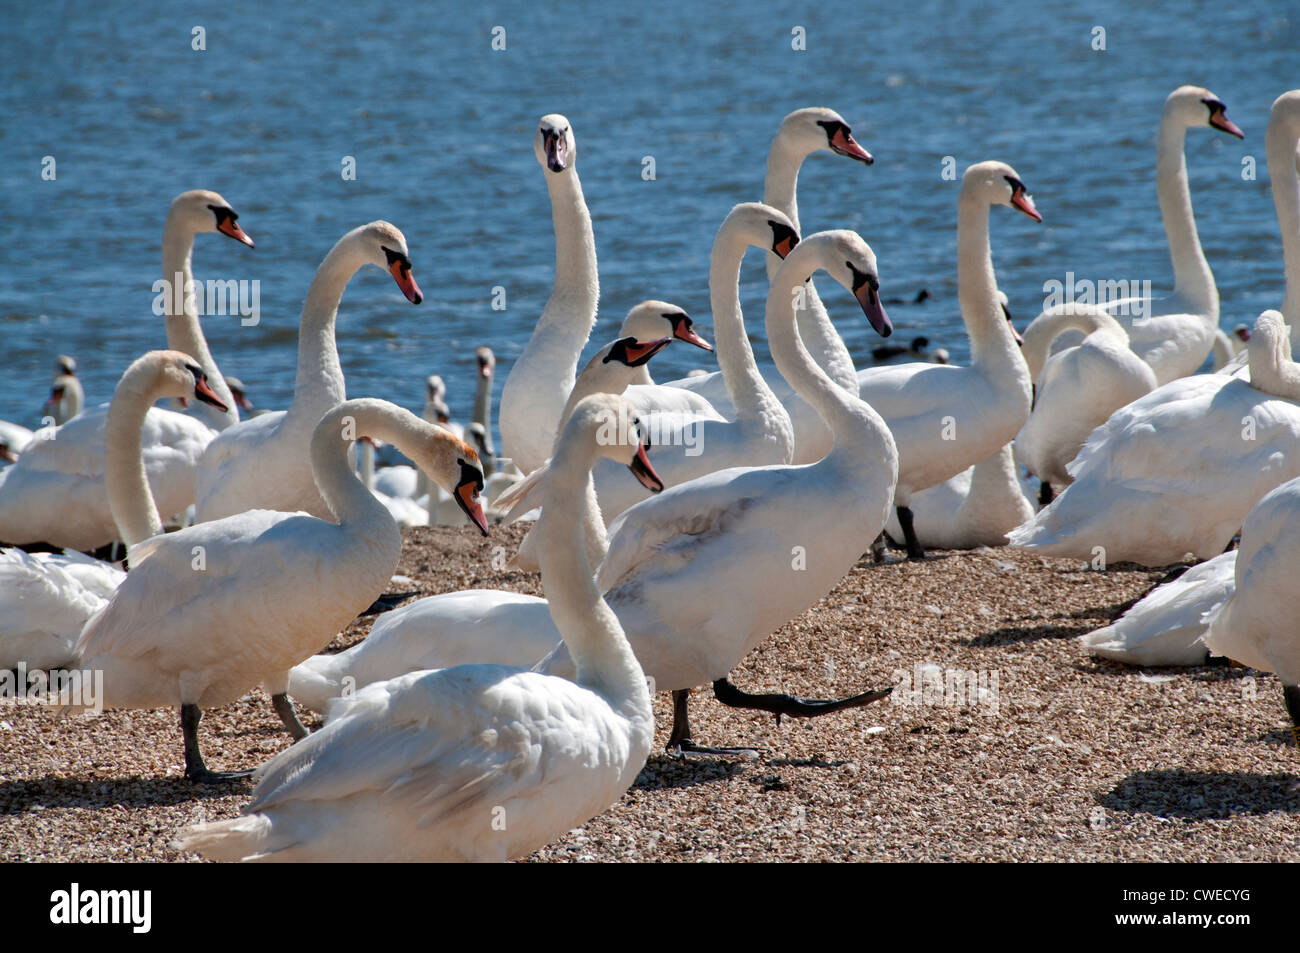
x=1173, y=335
x=262, y=463
x=45, y=599
x=1176, y=471
x=1166, y=626
x=540, y=380
x=1076, y=390
x=416, y=768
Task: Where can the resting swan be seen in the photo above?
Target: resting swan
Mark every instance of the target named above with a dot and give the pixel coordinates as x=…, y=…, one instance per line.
x=45, y=599
x=262, y=463
x=422, y=767
x=1256, y=625
x=802, y=133
x=542, y=377
x=269, y=588
x=56, y=494
x=703, y=578
x=1175, y=334
x=1178, y=470
x=1075, y=390
x=946, y=418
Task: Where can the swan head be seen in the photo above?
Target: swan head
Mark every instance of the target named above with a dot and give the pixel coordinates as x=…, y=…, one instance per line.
x=554, y=144
x=1194, y=106
x=482, y=440
x=454, y=465
x=653, y=319
x=850, y=261
x=175, y=374
x=999, y=184
x=818, y=127
x=609, y=425
x=487, y=361
x=202, y=210
x=1241, y=333
x=435, y=387
x=65, y=364
x=632, y=352
x=384, y=246
x=761, y=226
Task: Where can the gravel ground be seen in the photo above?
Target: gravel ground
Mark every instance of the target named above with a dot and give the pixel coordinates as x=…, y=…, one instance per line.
x=1045, y=754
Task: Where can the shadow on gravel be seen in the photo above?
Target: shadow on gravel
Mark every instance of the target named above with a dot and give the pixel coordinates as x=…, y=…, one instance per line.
x=21, y=797
x=662, y=772
x=1044, y=627
x=1203, y=796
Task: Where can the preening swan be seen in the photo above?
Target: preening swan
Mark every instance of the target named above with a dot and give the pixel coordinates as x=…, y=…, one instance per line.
x=1175, y=334
x=263, y=463
x=1176, y=471
x=1075, y=390
x=45, y=599
x=1256, y=625
x=946, y=418
x=700, y=580
x=542, y=377
x=211, y=611
x=427, y=766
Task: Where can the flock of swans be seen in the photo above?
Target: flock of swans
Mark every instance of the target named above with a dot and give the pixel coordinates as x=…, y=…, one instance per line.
x=680, y=523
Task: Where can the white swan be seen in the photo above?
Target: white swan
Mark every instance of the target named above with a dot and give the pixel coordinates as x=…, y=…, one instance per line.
x=1175, y=334
x=802, y=133
x=45, y=599
x=263, y=463
x=1166, y=625
x=1228, y=346
x=946, y=418
x=419, y=767
x=1075, y=390
x=1256, y=625
x=542, y=377
x=1176, y=471
x=67, y=398
x=701, y=579
x=977, y=507
x=401, y=507
x=213, y=610
x=14, y=439
x=56, y=493
x=1281, y=139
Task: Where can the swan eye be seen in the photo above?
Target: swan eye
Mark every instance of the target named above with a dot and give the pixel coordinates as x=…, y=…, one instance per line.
x=396, y=256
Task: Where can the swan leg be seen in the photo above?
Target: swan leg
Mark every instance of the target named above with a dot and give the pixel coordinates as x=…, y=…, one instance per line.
x=880, y=547
x=780, y=704
x=679, y=741
x=283, y=706
x=914, y=548
x=195, y=769
x=1291, y=694
x=1045, y=493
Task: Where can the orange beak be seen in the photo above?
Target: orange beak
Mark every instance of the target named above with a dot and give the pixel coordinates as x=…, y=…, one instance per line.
x=467, y=497
x=784, y=246
x=228, y=226
x=206, y=394
x=845, y=145
x=1023, y=202
x=406, y=281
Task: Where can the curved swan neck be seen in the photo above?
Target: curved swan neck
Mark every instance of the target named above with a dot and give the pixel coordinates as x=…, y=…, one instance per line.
x=1042, y=332
x=1192, y=277
x=780, y=184
x=347, y=497
x=991, y=342
x=1281, y=139
x=130, y=499
x=589, y=627
x=749, y=392
x=184, y=333
x=319, y=384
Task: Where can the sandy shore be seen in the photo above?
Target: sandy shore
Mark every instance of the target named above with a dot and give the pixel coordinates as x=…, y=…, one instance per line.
x=1033, y=751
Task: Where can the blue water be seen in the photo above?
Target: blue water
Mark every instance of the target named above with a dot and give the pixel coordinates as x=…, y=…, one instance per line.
x=442, y=126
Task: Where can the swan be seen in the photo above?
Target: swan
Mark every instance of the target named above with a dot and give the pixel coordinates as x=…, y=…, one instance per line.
x=1165, y=627
x=647, y=396
x=686, y=446
x=46, y=598
x=1175, y=334
x=1255, y=626
x=1281, y=139
x=262, y=463
x=420, y=767
x=977, y=507
x=66, y=399
x=1228, y=346
x=402, y=508
x=802, y=133
x=700, y=580
x=946, y=418
x=213, y=610
x=1075, y=390
x=56, y=493
x=542, y=377
x=14, y=439
x=1177, y=471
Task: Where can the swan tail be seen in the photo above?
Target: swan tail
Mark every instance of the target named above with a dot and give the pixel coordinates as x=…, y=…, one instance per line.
x=520, y=498
x=316, y=682
x=243, y=838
